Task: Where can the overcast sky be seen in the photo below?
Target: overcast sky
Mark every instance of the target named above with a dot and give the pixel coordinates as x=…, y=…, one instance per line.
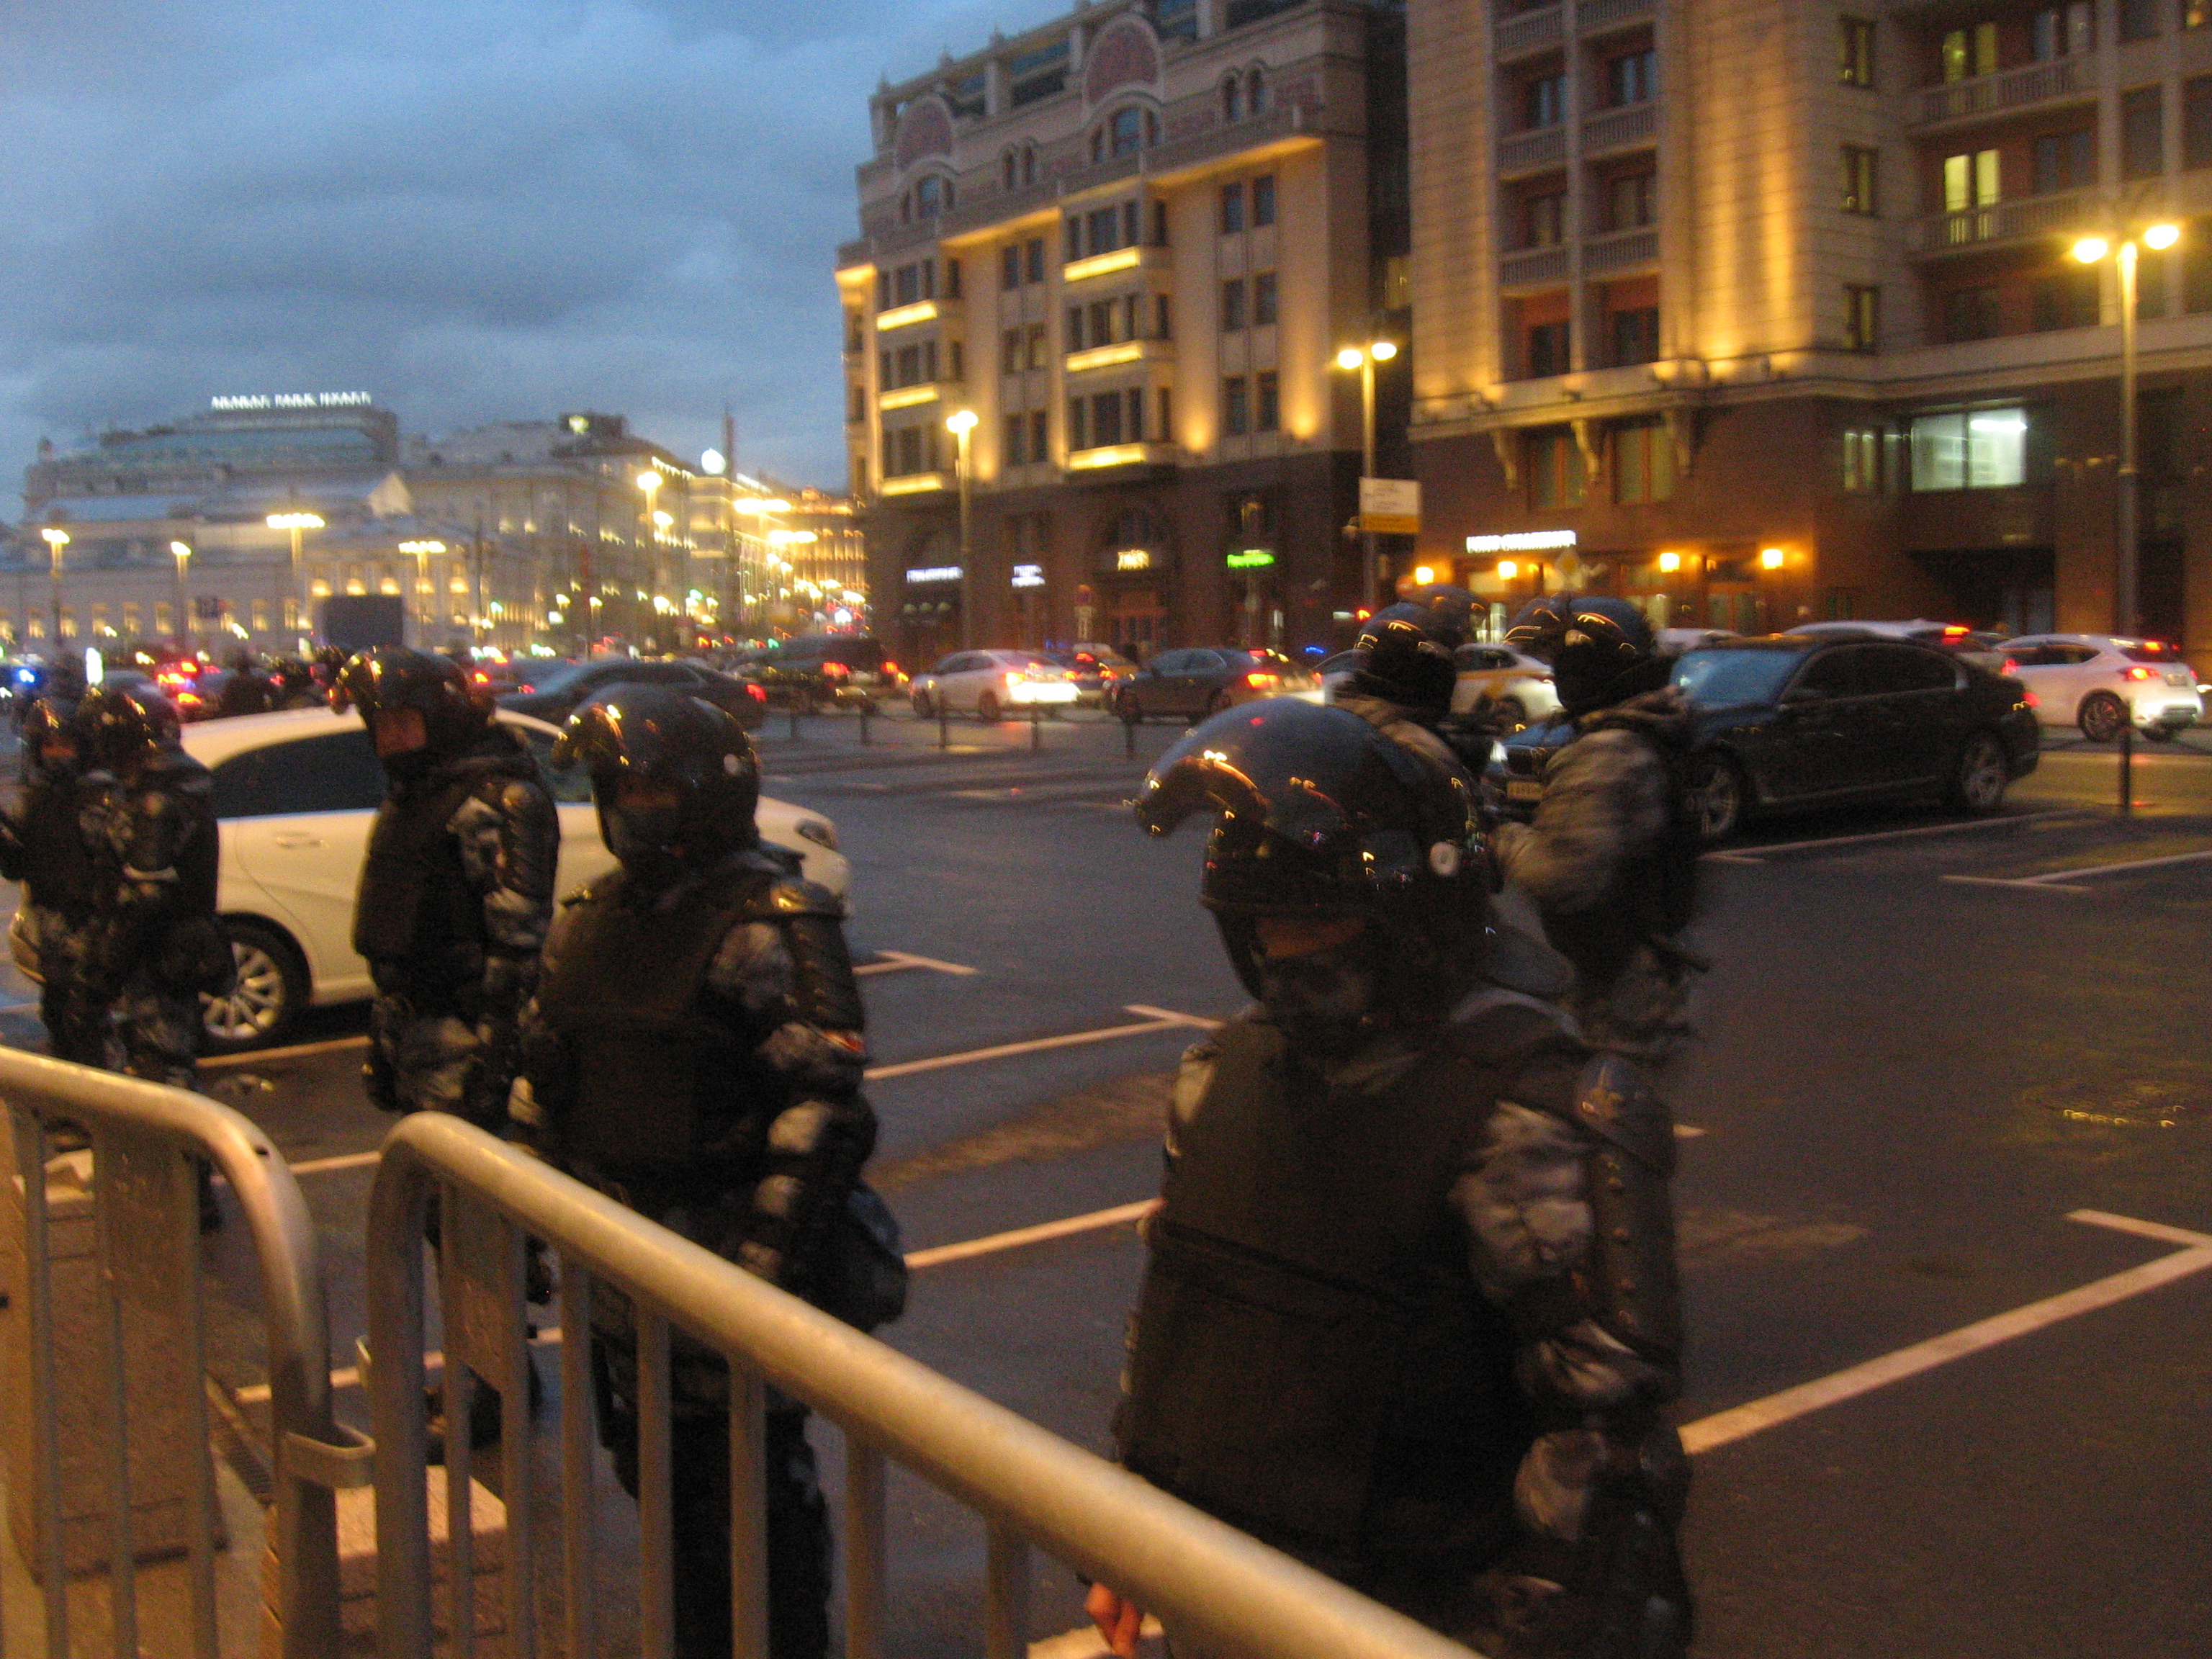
x=475, y=210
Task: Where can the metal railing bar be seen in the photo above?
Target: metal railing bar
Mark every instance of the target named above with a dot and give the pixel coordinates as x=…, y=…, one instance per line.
x=656, y=1532
x=521, y=1559
x=1006, y=1593
x=122, y=1546
x=395, y=1335
x=1220, y=1588
x=459, y=1385
x=578, y=1436
x=31, y=1163
x=748, y=1513
x=199, y=1447
x=865, y=1560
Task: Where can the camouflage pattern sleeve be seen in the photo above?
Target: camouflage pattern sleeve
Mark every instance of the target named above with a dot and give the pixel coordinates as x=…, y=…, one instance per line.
x=1605, y=803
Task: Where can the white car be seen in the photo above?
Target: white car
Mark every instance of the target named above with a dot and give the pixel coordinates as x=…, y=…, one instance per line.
x=294, y=795
x=2101, y=683
x=987, y=683
x=1498, y=678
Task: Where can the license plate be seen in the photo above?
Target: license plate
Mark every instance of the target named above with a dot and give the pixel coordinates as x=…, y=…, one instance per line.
x=2177, y=676
x=1517, y=789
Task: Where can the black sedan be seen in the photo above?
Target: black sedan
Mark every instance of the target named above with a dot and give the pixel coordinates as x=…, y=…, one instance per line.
x=553, y=691
x=1790, y=722
x=1203, y=680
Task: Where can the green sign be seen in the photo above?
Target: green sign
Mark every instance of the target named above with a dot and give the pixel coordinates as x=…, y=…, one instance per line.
x=1251, y=558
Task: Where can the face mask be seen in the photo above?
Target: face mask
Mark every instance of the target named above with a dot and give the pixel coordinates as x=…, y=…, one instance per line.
x=645, y=837
x=1319, y=1001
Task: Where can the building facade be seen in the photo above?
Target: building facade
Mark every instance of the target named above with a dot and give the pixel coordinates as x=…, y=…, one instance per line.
x=1129, y=244
x=1766, y=310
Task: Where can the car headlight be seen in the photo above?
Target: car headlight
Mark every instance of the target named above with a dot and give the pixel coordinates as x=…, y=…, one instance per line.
x=814, y=829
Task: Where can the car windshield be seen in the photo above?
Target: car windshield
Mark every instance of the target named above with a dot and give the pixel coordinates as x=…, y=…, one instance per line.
x=553, y=677
x=1026, y=660
x=1722, y=679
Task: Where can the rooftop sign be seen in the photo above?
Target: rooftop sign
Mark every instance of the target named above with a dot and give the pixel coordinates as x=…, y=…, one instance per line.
x=250, y=400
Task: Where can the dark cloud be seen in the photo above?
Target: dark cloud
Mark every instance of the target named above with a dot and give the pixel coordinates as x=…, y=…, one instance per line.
x=485, y=211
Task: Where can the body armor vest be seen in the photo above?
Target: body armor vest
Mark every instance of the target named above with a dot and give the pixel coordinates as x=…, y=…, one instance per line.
x=1652, y=896
x=58, y=873
x=1310, y=1321
x=416, y=909
x=654, y=1070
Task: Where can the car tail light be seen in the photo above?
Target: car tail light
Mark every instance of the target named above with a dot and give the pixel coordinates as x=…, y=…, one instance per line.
x=2137, y=674
x=2010, y=667
x=757, y=692
x=2030, y=699
x=1263, y=681
x=889, y=667
x=1013, y=678
x=525, y=688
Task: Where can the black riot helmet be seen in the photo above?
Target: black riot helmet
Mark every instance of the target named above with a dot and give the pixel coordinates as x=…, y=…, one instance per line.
x=47, y=720
x=658, y=735
x=121, y=725
x=1321, y=815
x=389, y=679
x=1602, y=651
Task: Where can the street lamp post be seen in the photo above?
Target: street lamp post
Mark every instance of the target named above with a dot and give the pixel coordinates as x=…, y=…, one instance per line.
x=184, y=552
x=2127, y=605
x=649, y=481
x=422, y=552
x=1364, y=358
x=56, y=540
x=961, y=423
x=296, y=522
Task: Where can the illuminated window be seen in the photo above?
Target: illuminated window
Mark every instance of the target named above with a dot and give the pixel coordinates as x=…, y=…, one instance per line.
x=1863, y=459
x=1980, y=449
x=1969, y=53
x=1858, y=53
x=1862, y=316
x=1970, y=180
x=1861, y=173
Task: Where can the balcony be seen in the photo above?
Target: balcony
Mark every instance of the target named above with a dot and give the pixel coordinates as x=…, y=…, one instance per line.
x=1119, y=353
x=923, y=311
x=2008, y=89
x=1624, y=250
x=916, y=483
x=1112, y=455
x=1537, y=267
x=1523, y=151
x=2030, y=218
x=1595, y=16
x=1116, y=261
x=908, y=397
x=1531, y=32
x=1621, y=128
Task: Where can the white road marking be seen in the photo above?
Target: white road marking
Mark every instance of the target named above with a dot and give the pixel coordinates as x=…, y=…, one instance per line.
x=1199, y=1021
x=1160, y=1020
x=1687, y=1132
x=19, y=1008
x=255, y=1056
x=332, y=1165
x=993, y=1243
x=892, y=962
x=2064, y=881
x=1741, y=1421
x=1756, y=855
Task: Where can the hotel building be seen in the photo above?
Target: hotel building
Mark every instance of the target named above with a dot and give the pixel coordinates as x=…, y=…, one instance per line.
x=1129, y=243
x=1764, y=311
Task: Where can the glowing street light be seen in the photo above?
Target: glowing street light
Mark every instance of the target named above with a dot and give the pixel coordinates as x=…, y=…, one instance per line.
x=422, y=550
x=183, y=550
x=297, y=522
x=2090, y=250
x=55, y=540
x=1364, y=359
x=960, y=423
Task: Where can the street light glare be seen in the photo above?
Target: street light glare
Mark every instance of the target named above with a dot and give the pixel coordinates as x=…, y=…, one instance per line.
x=295, y=521
x=2090, y=249
x=1508, y=569
x=962, y=420
x=649, y=482
x=55, y=538
x=1350, y=357
x=2161, y=237
x=1383, y=350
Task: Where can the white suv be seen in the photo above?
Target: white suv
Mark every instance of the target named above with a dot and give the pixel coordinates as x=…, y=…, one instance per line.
x=2100, y=683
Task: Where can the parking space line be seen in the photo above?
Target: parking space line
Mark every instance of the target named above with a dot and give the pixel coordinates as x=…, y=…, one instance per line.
x=315, y=1166
x=298, y=1050
x=992, y=1243
x=1160, y=1019
x=1741, y=1421
x=893, y=962
x=1759, y=854
x=2060, y=881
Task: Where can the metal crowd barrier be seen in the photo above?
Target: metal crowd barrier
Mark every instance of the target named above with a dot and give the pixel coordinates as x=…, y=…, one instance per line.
x=1214, y=1587
x=147, y=1141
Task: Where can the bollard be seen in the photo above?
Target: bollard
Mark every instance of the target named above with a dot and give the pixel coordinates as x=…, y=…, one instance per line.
x=794, y=719
x=944, y=738
x=1037, y=725
x=867, y=708
x=2127, y=766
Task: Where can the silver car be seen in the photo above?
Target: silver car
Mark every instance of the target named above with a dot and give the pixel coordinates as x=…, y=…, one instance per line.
x=2100, y=683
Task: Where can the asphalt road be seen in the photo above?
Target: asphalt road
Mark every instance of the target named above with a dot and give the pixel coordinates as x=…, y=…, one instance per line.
x=1950, y=1074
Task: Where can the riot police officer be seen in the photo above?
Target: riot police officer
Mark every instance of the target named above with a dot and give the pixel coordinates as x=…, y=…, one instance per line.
x=43, y=844
x=1610, y=857
x=456, y=891
x=245, y=692
x=694, y=1051
x=157, y=946
x=1405, y=1195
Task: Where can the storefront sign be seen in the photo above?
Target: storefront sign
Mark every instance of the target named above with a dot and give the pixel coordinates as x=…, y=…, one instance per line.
x=935, y=573
x=1250, y=558
x=1524, y=541
x=1133, y=558
x=1390, y=506
x=1029, y=575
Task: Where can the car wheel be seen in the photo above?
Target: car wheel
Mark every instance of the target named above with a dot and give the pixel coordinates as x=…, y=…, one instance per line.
x=1509, y=709
x=271, y=990
x=2101, y=716
x=987, y=709
x=1214, y=705
x=1723, y=795
x=922, y=709
x=1979, y=777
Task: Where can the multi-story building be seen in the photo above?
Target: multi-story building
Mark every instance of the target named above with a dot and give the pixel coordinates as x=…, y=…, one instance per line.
x=1129, y=243
x=1765, y=310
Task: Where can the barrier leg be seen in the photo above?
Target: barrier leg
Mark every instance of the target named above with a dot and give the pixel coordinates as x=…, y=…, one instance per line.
x=864, y=1550
x=578, y=1433
x=2127, y=766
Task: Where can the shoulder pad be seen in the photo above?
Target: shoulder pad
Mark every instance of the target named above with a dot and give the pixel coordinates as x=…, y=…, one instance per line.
x=1614, y=1102
x=788, y=896
x=1509, y=1019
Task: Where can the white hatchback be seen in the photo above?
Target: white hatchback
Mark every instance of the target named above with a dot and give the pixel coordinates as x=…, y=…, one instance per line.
x=987, y=683
x=294, y=795
x=2100, y=683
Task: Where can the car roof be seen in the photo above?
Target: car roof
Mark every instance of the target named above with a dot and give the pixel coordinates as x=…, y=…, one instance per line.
x=2102, y=641
x=212, y=742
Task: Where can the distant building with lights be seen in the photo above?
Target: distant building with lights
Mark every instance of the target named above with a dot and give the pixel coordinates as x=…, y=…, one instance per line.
x=1764, y=312
x=1131, y=241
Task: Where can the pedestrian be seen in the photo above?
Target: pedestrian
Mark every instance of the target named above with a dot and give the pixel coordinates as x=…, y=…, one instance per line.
x=44, y=844
x=1610, y=857
x=244, y=692
x=695, y=1051
x=1404, y=1197
x=455, y=897
x=157, y=945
